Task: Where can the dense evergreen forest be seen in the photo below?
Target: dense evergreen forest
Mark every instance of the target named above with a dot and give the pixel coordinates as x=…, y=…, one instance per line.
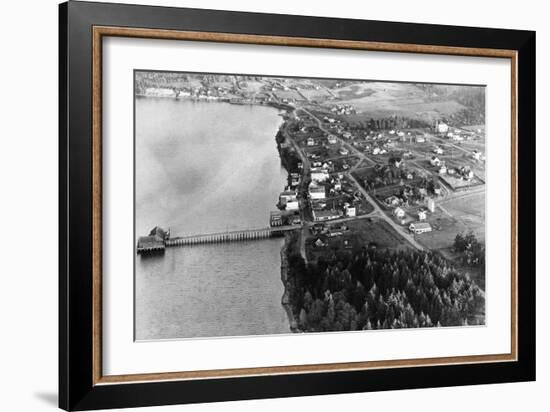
x=381, y=289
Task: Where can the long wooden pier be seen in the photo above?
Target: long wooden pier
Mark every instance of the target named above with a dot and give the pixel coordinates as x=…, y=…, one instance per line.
x=232, y=236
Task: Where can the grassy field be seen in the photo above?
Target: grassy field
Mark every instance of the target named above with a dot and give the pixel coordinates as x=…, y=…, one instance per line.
x=460, y=215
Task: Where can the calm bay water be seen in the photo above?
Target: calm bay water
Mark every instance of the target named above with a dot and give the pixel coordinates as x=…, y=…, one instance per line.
x=203, y=168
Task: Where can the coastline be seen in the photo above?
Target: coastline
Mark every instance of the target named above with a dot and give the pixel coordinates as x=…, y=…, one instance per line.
x=293, y=323
x=285, y=299
x=236, y=101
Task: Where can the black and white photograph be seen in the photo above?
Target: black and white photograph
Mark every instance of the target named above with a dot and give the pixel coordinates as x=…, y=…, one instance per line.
x=277, y=205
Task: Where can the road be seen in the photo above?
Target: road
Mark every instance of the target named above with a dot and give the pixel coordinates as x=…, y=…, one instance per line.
x=381, y=214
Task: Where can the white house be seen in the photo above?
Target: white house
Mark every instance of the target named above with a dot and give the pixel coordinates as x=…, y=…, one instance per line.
x=434, y=161
x=350, y=211
x=398, y=212
x=431, y=205
x=442, y=127
x=420, y=227
x=310, y=141
x=442, y=170
x=332, y=139
x=292, y=205
x=319, y=175
x=422, y=215
x=438, y=150
x=343, y=151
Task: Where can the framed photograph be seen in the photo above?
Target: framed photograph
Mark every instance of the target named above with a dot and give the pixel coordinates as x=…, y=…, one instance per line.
x=257, y=205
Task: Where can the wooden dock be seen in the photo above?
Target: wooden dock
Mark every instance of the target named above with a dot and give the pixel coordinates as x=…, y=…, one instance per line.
x=232, y=236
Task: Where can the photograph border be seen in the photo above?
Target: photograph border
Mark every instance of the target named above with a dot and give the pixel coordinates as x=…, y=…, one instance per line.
x=81, y=58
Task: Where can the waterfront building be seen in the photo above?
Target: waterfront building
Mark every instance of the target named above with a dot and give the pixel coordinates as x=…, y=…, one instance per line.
x=287, y=196
x=292, y=205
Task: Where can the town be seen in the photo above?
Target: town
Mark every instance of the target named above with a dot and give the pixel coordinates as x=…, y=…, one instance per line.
x=412, y=175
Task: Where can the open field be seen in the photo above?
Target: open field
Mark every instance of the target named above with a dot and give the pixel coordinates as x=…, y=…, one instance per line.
x=377, y=231
x=459, y=215
x=360, y=233
x=316, y=94
x=288, y=94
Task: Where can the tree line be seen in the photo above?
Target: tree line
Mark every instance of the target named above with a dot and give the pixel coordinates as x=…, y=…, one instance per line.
x=374, y=289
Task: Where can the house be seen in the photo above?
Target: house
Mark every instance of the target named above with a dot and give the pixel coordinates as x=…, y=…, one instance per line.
x=395, y=161
x=443, y=170
x=409, y=176
x=343, y=151
x=438, y=150
x=376, y=151
x=338, y=185
x=319, y=175
x=310, y=141
x=431, y=205
x=392, y=201
x=422, y=215
x=323, y=215
x=316, y=192
x=398, y=212
x=476, y=154
x=292, y=205
x=434, y=161
x=420, y=227
x=287, y=196
x=420, y=139
x=442, y=128
x=319, y=243
x=350, y=211
x=332, y=139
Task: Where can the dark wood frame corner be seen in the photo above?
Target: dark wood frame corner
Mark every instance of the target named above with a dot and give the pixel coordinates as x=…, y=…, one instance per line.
x=81, y=382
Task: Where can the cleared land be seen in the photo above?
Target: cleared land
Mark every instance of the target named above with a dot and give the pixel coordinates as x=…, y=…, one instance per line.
x=459, y=215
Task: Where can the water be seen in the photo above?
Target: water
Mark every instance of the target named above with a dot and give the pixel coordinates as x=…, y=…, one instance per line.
x=203, y=168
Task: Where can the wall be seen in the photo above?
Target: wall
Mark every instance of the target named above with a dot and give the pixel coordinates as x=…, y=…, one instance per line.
x=28, y=206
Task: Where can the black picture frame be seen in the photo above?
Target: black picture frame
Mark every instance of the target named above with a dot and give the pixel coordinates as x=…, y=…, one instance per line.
x=77, y=390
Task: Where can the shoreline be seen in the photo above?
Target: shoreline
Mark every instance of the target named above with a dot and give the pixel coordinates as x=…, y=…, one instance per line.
x=235, y=101
x=285, y=299
x=293, y=323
